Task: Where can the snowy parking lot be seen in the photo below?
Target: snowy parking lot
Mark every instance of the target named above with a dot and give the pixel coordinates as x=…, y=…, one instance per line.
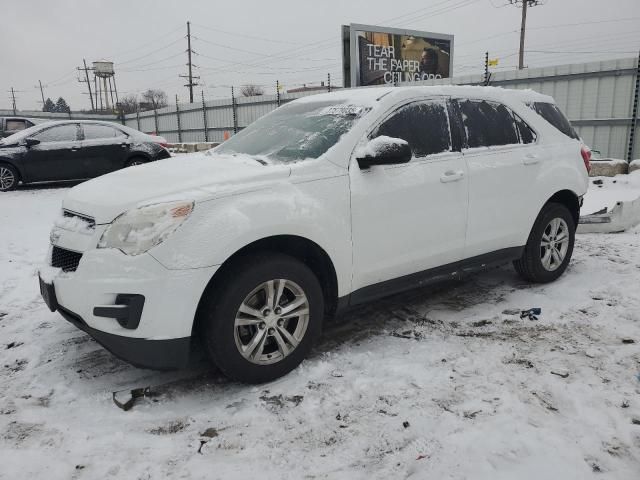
x=446, y=382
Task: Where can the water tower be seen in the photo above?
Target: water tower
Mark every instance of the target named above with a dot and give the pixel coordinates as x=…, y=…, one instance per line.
x=105, y=84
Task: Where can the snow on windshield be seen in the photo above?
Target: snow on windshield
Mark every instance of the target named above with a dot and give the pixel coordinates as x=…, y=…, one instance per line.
x=297, y=131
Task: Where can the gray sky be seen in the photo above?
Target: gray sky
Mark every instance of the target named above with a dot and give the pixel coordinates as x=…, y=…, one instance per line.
x=293, y=41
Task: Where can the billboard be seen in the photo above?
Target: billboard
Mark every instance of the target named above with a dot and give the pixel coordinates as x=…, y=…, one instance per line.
x=374, y=55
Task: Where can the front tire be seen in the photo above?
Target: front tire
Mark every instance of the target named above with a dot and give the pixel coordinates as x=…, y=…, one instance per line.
x=261, y=319
x=135, y=161
x=9, y=177
x=550, y=245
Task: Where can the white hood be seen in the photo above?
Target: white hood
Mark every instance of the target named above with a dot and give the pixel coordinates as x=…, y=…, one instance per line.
x=190, y=177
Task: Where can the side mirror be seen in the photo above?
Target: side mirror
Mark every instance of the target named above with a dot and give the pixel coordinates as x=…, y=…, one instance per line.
x=30, y=142
x=384, y=151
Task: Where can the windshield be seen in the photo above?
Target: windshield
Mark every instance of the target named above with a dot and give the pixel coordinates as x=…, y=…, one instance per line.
x=22, y=134
x=297, y=131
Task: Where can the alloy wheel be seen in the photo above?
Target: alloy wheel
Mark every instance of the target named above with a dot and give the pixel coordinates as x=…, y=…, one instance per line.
x=271, y=321
x=7, y=178
x=554, y=244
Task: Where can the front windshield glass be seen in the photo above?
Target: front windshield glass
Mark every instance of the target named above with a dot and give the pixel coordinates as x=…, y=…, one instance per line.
x=297, y=131
x=21, y=135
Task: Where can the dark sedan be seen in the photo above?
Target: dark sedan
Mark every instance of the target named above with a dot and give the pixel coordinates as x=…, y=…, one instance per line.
x=73, y=150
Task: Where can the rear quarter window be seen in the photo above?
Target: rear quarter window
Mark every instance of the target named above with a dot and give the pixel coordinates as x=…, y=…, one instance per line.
x=552, y=114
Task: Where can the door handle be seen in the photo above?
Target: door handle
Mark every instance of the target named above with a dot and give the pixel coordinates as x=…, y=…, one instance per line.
x=124, y=145
x=452, y=176
x=531, y=159
x=74, y=149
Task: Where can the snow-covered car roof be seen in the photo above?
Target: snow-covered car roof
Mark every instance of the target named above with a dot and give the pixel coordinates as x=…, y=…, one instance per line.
x=369, y=96
x=16, y=137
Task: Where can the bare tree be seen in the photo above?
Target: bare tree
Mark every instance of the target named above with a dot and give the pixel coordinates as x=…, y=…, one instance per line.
x=252, y=90
x=128, y=104
x=153, y=99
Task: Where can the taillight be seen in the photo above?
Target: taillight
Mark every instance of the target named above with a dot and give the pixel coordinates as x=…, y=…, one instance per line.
x=586, y=156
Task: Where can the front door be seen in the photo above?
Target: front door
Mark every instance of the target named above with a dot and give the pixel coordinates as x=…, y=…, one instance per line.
x=58, y=156
x=411, y=217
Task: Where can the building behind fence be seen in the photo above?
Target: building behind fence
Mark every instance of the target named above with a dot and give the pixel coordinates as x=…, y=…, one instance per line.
x=600, y=99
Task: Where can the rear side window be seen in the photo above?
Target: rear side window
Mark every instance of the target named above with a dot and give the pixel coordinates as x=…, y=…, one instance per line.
x=95, y=132
x=487, y=124
x=424, y=125
x=527, y=135
x=14, y=125
x=552, y=114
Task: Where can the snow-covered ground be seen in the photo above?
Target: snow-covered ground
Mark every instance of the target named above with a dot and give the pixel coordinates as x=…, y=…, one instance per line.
x=444, y=383
x=604, y=192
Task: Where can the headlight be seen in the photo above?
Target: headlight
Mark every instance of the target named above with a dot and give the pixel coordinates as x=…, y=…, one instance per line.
x=136, y=231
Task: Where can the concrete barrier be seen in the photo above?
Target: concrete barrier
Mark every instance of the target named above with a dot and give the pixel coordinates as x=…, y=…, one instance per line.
x=191, y=147
x=608, y=167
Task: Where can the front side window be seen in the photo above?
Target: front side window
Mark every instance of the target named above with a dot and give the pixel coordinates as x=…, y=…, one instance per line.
x=59, y=133
x=487, y=124
x=96, y=132
x=423, y=125
x=295, y=132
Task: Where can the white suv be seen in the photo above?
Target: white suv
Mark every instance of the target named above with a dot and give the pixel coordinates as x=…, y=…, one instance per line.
x=327, y=202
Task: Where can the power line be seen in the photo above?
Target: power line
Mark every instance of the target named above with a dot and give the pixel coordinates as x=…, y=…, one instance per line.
x=242, y=35
x=142, y=46
x=152, y=52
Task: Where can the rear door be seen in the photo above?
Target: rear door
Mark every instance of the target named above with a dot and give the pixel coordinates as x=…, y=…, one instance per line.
x=503, y=160
x=58, y=156
x=410, y=217
x=104, y=148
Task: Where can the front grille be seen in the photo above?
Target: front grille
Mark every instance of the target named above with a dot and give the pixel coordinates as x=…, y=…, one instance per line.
x=65, y=259
x=90, y=221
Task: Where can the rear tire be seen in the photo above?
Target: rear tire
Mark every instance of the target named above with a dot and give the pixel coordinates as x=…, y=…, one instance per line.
x=261, y=319
x=550, y=245
x=9, y=177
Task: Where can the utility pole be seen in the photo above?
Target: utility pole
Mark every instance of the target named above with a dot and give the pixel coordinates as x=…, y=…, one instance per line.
x=41, y=93
x=190, y=76
x=525, y=4
x=634, y=114
x=88, y=82
x=13, y=99
x=204, y=118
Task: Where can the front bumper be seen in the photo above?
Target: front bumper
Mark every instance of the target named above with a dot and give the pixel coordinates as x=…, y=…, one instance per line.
x=160, y=337
x=139, y=352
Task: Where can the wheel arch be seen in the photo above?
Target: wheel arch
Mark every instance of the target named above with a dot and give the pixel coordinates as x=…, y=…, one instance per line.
x=301, y=248
x=569, y=199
